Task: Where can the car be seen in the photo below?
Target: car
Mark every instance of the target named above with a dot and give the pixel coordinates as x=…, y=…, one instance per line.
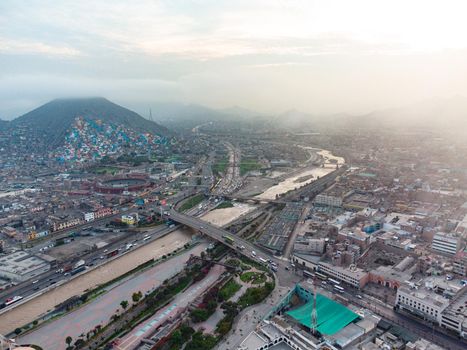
x=34, y=282
x=102, y=257
x=359, y=296
x=287, y=268
x=36, y=288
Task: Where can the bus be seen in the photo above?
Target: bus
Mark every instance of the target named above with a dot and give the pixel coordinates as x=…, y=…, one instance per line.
x=12, y=300
x=339, y=289
x=321, y=276
x=228, y=239
x=146, y=237
x=334, y=281
x=263, y=261
x=308, y=274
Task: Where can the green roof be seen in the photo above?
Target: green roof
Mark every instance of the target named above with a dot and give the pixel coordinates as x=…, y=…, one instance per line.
x=332, y=316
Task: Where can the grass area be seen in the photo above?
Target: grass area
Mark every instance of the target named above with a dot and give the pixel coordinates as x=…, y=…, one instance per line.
x=249, y=164
x=191, y=202
x=254, y=277
x=224, y=204
x=220, y=166
x=245, y=267
x=229, y=290
x=255, y=295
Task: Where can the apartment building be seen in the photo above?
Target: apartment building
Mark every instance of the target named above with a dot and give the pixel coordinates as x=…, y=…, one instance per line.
x=445, y=243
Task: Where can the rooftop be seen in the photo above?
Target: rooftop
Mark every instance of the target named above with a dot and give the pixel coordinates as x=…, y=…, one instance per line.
x=331, y=316
x=20, y=263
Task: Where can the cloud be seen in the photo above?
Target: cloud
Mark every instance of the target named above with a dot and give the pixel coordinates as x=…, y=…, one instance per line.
x=321, y=55
x=36, y=48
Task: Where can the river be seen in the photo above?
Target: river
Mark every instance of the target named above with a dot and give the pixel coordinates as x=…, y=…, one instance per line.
x=102, y=308
x=307, y=175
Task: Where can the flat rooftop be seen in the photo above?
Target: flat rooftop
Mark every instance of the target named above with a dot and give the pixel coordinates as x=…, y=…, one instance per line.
x=331, y=316
x=20, y=263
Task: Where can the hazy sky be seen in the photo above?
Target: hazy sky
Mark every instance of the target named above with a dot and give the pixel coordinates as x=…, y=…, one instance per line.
x=317, y=56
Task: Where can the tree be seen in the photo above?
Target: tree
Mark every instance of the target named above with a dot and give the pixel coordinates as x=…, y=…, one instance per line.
x=124, y=304
x=79, y=343
x=17, y=330
x=176, y=337
x=136, y=296
x=68, y=341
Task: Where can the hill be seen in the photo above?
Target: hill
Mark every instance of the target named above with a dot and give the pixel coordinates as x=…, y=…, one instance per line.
x=54, y=119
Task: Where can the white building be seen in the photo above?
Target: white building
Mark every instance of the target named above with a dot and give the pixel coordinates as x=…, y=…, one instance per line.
x=449, y=313
x=422, y=302
x=89, y=217
x=445, y=244
x=352, y=275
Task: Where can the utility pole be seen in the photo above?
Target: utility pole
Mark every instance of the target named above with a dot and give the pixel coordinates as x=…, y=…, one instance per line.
x=314, y=313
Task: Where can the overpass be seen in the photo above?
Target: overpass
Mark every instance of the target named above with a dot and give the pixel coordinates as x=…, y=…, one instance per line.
x=240, y=245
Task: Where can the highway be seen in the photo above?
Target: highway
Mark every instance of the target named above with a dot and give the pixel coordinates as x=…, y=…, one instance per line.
x=51, y=335
x=53, y=277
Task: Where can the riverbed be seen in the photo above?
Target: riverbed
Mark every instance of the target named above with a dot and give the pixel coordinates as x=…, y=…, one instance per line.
x=305, y=177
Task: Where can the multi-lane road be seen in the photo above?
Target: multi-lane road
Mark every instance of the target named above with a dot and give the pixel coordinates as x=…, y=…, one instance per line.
x=50, y=278
x=240, y=245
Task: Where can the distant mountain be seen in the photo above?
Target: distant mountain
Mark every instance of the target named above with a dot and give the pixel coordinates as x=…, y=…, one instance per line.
x=193, y=114
x=179, y=112
x=436, y=114
x=240, y=112
x=446, y=114
x=54, y=119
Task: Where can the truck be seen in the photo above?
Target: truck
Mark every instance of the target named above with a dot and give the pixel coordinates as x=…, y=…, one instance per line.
x=262, y=260
x=112, y=253
x=79, y=264
x=66, y=268
x=78, y=270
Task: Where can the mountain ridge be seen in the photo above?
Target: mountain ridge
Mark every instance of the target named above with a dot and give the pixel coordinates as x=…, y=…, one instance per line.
x=54, y=118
